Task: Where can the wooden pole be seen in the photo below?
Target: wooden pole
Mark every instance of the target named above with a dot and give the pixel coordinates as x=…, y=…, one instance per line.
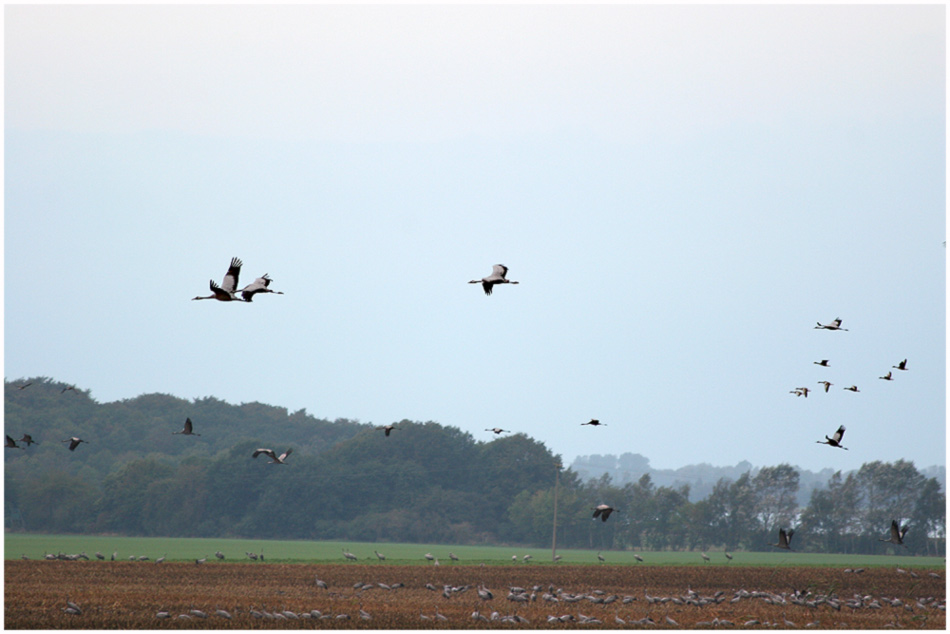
x=557, y=479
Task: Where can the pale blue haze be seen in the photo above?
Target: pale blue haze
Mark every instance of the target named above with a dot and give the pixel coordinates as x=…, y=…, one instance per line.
x=682, y=192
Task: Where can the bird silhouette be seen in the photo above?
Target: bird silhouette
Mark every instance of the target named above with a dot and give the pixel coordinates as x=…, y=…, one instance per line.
x=594, y=423
x=900, y=366
x=603, y=511
x=897, y=534
x=835, y=325
x=784, y=539
x=498, y=276
x=188, y=429
x=274, y=458
x=835, y=440
x=227, y=291
x=260, y=285
x=74, y=442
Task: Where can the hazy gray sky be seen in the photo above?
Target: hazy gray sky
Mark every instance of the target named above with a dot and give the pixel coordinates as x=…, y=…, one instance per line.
x=683, y=192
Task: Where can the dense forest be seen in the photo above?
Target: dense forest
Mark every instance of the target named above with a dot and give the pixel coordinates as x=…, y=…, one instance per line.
x=425, y=482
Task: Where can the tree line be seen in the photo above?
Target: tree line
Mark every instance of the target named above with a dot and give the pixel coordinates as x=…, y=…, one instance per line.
x=850, y=515
x=426, y=482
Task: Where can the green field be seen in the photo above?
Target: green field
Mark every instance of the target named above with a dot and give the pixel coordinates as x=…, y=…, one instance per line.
x=189, y=549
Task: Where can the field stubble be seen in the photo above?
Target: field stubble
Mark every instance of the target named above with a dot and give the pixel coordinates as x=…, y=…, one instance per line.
x=127, y=595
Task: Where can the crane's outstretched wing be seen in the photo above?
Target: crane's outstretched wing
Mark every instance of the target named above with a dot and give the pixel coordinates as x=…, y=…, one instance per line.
x=839, y=434
x=230, y=281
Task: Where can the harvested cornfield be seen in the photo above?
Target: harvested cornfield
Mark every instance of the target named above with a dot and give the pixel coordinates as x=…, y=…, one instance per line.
x=132, y=595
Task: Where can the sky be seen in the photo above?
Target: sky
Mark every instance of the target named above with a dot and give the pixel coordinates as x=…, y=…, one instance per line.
x=683, y=192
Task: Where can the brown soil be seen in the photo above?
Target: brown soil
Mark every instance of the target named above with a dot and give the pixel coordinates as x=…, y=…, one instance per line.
x=128, y=595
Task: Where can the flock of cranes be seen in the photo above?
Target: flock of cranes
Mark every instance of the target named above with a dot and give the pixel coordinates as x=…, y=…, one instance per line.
x=897, y=533
x=228, y=291
x=809, y=603
x=825, y=363
x=835, y=439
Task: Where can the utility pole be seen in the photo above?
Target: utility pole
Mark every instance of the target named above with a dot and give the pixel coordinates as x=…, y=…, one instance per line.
x=557, y=479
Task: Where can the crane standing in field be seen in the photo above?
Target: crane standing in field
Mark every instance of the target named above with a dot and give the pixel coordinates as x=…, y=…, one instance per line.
x=227, y=292
x=498, y=276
